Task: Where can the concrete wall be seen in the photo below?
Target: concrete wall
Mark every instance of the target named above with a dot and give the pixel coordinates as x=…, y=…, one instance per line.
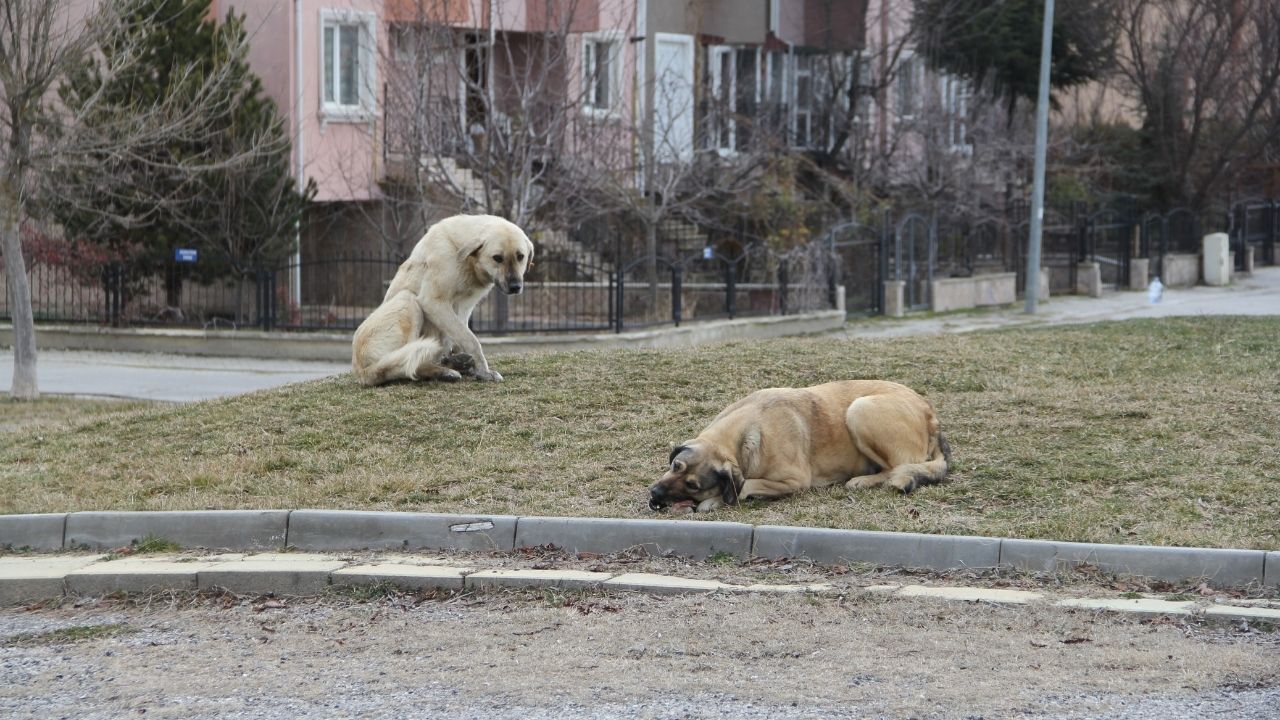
x=976, y=291
x=1181, y=270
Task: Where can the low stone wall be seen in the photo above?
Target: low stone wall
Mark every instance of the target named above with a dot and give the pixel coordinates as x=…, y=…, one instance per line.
x=976, y=291
x=1181, y=270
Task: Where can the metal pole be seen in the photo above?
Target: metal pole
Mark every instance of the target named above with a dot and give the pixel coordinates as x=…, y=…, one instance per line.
x=1042, y=133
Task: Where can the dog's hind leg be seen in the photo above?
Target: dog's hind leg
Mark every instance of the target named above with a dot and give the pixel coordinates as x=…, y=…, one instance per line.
x=897, y=437
x=414, y=361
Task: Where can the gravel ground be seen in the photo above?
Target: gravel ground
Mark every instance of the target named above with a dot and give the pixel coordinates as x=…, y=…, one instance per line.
x=593, y=655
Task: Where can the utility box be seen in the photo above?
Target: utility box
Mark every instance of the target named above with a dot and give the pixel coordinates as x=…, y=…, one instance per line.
x=1217, y=259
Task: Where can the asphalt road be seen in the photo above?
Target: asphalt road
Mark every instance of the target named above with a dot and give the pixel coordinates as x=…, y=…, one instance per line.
x=175, y=378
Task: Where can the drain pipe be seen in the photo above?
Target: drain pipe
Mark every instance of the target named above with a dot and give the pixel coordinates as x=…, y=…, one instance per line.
x=295, y=275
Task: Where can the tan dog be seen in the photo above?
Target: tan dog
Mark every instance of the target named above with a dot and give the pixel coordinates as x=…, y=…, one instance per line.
x=863, y=433
x=424, y=315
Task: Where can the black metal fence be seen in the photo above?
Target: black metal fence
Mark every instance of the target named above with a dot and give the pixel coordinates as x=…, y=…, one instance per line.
x=591, y=284
x=563, y=292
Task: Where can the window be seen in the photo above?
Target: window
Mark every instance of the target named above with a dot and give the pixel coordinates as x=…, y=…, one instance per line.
x=955, y=107
x=802, y=134
x=347, y=41
x=601, y=73
x=906, y=86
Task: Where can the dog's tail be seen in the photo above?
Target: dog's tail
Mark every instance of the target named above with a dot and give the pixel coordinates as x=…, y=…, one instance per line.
x=930, y=472
x=403, y=362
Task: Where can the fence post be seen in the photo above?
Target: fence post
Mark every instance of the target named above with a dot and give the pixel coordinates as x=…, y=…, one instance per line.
x=677, y=275
x=731, y=289
x=114, y=287
x=832, y=304
x=620, y=288
x=1273, y=226
x=782, y=287
x=883, y=262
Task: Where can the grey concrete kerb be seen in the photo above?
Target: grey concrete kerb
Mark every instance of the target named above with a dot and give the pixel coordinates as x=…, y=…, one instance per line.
x=329, y=530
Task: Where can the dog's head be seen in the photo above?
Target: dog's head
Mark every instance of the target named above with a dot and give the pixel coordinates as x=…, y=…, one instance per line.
x=697, y=471
x=500, y=254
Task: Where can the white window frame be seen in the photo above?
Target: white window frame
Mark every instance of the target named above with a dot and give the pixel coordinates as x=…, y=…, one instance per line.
x=365, y=106
x=956, y=93
x=591, y=43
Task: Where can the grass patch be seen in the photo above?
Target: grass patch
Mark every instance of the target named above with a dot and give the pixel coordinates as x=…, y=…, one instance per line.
x=1145, y=431
x=52, y=411
x=75, y=633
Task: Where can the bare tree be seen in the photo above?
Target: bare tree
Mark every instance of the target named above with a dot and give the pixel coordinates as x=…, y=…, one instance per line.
x=48, y=151
x=1205, y=75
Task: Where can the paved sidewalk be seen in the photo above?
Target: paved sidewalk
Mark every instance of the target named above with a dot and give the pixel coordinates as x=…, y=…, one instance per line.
x=173, y=378
x=163, y=378
x=25, y=579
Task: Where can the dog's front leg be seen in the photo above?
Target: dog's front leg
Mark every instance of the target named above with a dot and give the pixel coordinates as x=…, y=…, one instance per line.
x=452, y=327
x=766, y=488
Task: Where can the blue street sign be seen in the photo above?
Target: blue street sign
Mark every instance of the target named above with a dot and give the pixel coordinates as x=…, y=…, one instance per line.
x=185, y=255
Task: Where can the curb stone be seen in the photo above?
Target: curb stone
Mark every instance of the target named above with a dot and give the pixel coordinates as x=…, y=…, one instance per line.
x=350, y=530
x=212, y=529
x=37, y=532
x=359, y=529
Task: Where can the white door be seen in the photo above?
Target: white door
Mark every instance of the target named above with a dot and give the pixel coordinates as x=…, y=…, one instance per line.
x=673, y=105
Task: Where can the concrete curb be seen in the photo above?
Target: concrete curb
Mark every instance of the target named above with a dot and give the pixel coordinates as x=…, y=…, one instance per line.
x=39, y=578
x=318, y=530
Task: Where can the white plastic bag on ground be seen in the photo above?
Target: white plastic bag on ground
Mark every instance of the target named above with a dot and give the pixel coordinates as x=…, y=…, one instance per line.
x=1155, y=291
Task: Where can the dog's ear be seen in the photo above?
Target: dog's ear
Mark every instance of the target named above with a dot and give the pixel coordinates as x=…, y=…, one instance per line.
x=470, y=247
x=730, y=483
x=676, y=451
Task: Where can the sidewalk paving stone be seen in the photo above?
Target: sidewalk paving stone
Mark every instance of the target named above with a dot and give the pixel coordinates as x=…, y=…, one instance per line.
x=134, y=575
x=401, y=575
x=663, y=584
x=359, y=529
x=1233, y=612
x=26, y=579
x=566, y=579
x=42, y=531
x=213, y=529
x=282, y=574
x=1142, y=606
x=995, y=595
x=687, y=538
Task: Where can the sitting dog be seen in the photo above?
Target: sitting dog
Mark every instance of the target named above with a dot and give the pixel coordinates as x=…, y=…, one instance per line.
x=424, y=315
x=863, y=433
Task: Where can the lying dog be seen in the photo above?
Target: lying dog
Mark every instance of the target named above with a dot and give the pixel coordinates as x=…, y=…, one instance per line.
x=863, y=433
x=423, y=317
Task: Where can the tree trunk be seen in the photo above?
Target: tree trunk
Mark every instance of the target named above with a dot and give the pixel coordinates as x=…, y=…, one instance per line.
x=24, y=331
x=651, y=261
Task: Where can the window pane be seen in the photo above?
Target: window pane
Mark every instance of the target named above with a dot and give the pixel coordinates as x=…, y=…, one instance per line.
x=349, y=60
x=602, y=75
x=328, y=64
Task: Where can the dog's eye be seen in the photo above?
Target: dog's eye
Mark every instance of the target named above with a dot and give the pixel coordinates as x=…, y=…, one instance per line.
x=520, y=256
x=497, y=258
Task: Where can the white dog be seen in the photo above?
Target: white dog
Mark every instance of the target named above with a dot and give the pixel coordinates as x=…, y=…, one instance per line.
x=425, y=312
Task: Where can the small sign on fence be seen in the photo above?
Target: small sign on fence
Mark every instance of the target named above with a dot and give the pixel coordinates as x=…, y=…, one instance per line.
x=185, y=255
x=707, y=253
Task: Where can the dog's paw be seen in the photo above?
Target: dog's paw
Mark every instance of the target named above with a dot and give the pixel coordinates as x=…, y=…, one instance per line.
x=864, y=483
x=447, y=376
x=462, y=362
x=710, y=504
x=489, y=375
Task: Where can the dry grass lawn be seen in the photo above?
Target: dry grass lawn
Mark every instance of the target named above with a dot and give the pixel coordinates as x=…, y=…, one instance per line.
x=1161, y=432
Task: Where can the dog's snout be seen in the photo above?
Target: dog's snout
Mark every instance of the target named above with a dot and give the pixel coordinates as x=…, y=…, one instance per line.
x=514, y=287
x=657, y=496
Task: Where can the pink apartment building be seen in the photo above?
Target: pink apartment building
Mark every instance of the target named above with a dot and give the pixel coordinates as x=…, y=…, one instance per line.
x=695, y=74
